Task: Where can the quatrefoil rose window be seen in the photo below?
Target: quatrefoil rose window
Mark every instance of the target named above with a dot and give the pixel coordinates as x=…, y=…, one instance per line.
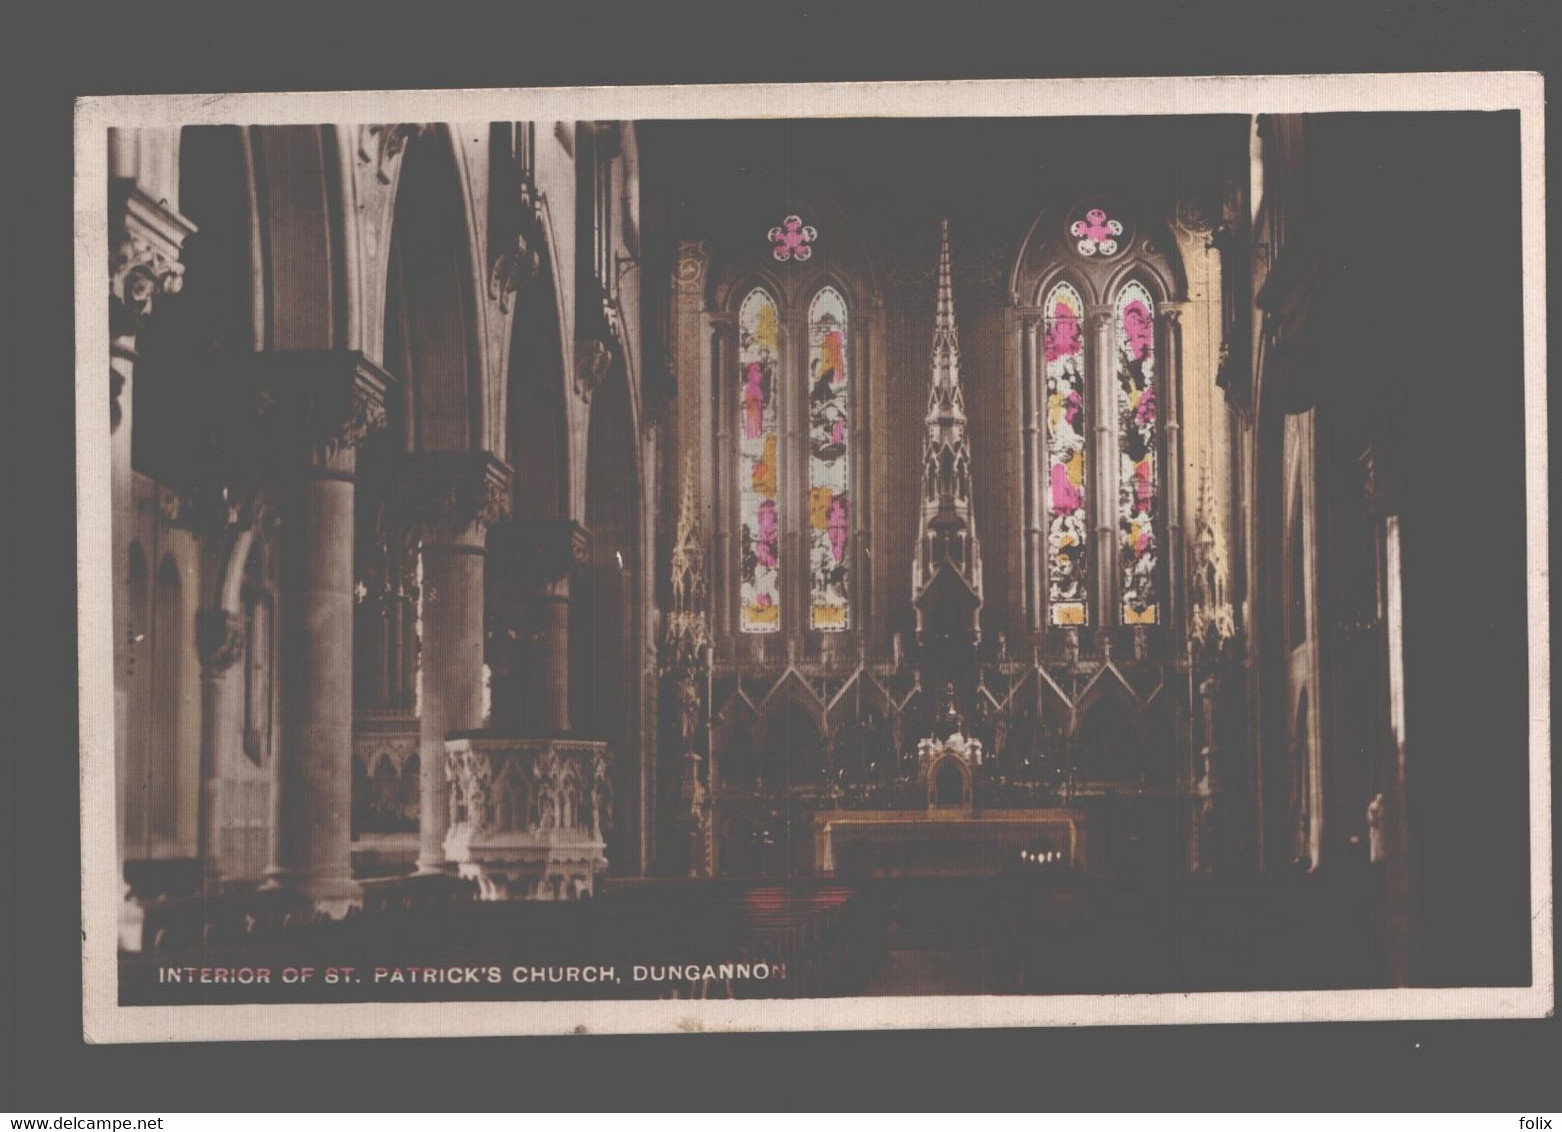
x=792, y=239
x=1097, y=235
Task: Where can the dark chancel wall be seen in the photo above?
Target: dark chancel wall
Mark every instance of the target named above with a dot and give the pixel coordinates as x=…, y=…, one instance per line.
x=1461, y=403
x=1403, y=233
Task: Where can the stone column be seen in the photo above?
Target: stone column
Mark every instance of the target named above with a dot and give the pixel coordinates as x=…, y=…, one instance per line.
x=220, y=637
x=451, y=499
x=1104, y=465
x=726, y=484
x=529, y=623
x=314, y=408
x=145, y=239
x=1171, y=397
x=1032, y=397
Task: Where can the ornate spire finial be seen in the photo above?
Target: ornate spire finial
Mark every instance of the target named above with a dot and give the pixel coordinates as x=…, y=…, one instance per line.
x=946, y=336
x=688, y=518
x=688, y=572
x=946, y=293
x=948, y=538
x=1212, y=613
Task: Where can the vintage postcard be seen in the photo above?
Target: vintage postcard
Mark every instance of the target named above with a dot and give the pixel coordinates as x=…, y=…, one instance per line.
x=814, y=557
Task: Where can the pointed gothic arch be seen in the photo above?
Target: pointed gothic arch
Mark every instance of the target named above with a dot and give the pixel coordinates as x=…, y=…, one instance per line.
x=432, y=343
x=537, y=400
x=830, y=461
x=762, y=473
x=796, y=574
x=302, y=236
x=1065, y=402
x=432, y=327
x=217, y=316
x=1139, y=446
x=1100, y=258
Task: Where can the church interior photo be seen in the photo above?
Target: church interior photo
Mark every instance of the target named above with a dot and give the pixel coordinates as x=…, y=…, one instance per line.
x=925, y=556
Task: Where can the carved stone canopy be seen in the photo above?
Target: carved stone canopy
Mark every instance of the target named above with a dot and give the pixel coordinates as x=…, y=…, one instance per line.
x=538, y=552
x=145, y=240
x=692, y=264
x=1196, y=214
x=1297, y=304
x=263, y=418
x=482, y=767
x=515, y=264
x=319, y=402
x=444, y=493
x=593, y=358
x=219, y=635
x=688, y=554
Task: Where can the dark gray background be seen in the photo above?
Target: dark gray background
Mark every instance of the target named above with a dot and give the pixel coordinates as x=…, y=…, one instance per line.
x=139, y=49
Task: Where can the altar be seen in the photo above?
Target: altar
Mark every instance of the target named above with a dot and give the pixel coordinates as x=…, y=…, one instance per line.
x=950, y=836
x=863, y=844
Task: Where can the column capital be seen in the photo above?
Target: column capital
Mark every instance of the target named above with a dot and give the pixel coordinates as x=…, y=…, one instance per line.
x=145, y=241
x=265, y=417
x=541, y=551
x=1171, y=316
x=219, y=636
x=322, y=402
x=448, y=493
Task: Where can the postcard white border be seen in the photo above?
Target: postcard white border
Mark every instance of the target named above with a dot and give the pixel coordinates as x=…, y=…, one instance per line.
x=104, y=1020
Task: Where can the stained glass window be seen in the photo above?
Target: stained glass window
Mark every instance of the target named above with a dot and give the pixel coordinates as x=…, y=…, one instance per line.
x=1067, y=529
x=829, y=455
x=1096, y=233
x=758, y=471
x=1136, y=440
